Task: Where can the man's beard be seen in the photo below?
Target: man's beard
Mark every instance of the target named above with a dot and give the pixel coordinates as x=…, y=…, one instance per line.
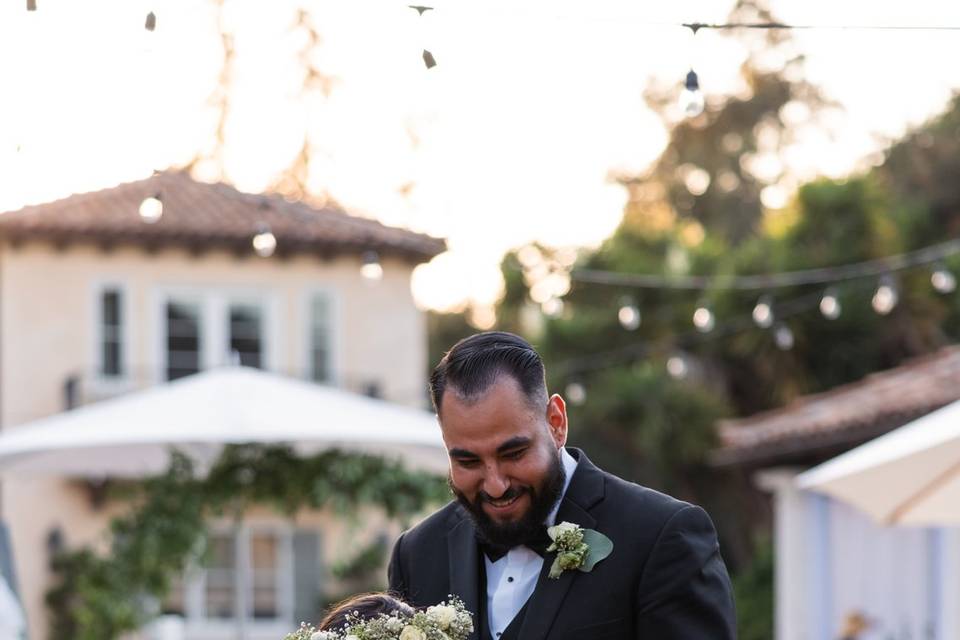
x=511, y=534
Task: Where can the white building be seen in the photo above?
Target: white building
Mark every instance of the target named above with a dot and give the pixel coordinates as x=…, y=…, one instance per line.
x=832, y=562
x=97, y=300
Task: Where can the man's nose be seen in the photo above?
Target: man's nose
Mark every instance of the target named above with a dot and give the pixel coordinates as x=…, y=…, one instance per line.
x=495, y=484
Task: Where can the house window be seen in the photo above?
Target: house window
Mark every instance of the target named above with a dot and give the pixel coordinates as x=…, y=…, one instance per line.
x=265, y=569
x=321, y=339
x=246, y=336
x=111, y=332
x=273, y=574
x=182, y=339
x=220, y=577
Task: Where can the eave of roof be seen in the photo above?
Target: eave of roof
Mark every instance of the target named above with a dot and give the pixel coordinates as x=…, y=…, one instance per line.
x=844, y=416
x=200, y=216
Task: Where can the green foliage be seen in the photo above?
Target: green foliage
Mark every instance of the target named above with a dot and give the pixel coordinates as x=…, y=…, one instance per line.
x=359, y=573
x=361, y=564
x=647, y=426
x=753, y=590
x=698, y=211
x=100, y=597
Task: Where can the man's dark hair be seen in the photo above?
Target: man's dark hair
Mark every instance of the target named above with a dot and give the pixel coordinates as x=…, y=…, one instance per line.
x=474, y=363
x=365, y=607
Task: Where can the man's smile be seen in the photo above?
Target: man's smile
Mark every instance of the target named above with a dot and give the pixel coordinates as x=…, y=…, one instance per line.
x=503, y=506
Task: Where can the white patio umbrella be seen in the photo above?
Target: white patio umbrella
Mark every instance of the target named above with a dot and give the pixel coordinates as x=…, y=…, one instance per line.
x=908, y=476
x=133, y=435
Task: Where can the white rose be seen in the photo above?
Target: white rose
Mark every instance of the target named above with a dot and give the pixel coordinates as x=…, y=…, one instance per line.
x=443, y=615
x=322, y=635
x=351, y=637
x=412, y=633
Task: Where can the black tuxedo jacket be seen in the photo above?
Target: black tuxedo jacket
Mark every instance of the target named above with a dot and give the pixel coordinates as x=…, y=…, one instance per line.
x=664, y=580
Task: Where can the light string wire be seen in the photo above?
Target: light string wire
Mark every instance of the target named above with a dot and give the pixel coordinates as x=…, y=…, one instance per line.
x=822, y=275
x=626, y=354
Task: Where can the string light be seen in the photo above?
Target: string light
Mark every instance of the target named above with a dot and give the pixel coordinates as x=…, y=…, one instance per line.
x=264, y=242
x=677, y=367
x=886, y=297
x=830, y=304
x=783, y=337
x=151, y=23
x=151, y=209
x=428, y=60
x=825, y=275
x=691, y=98
x=763, y=312
x=576, y=393
x=703, y=319
x=629, y=314
x=552, y=307
x=371, y=269
x=943, y=280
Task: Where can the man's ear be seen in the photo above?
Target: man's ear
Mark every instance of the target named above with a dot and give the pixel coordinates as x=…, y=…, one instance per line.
x=557, y=419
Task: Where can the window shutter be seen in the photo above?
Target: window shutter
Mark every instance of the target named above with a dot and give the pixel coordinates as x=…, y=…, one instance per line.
x=307, y=576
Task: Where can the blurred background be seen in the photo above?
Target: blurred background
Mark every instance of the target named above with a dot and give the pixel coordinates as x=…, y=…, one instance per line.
x=246, y=232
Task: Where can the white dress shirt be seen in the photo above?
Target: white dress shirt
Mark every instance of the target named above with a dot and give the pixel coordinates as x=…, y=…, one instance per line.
x=512, y=579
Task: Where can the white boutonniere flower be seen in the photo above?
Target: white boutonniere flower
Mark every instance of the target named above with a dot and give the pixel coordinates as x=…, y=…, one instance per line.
x=577, y=548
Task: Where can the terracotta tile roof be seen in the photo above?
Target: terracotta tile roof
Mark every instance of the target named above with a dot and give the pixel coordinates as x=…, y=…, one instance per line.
x=198, y=216
x=843, y=417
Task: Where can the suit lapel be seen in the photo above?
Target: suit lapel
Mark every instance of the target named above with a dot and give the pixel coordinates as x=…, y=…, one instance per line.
x=464, y=562
x=585, y=490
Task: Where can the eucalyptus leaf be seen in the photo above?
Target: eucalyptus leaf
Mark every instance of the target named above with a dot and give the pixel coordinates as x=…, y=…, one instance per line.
x=600, y=547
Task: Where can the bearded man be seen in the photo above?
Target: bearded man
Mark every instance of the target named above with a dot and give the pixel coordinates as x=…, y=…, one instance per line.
x=513, y=476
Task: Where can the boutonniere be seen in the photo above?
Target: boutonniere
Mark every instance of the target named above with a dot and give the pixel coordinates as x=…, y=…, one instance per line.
x=577, y=548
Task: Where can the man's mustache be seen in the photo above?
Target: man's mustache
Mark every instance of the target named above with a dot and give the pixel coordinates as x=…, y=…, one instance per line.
x=509, y=494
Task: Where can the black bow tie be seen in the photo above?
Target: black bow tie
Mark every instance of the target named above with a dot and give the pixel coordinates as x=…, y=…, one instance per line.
x=537, y=542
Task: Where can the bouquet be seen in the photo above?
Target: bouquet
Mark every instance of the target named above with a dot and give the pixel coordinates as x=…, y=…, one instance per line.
x=448, y=620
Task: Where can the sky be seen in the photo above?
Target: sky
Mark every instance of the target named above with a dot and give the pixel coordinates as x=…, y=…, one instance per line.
x=510, y=139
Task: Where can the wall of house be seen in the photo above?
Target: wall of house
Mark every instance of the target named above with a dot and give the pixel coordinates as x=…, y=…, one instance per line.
x=49, y=332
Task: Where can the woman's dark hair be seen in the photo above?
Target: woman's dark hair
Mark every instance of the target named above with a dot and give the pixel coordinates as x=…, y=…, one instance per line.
x=365, y=606
x=473, y=365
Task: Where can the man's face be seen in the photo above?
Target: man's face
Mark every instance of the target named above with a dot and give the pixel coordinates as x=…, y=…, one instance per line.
x=504, y=457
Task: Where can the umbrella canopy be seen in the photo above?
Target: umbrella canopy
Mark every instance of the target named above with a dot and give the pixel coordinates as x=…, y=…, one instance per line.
x=908, y=476
x=133, y=435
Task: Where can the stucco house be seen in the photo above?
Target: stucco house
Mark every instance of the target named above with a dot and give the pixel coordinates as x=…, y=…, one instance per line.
x=99, y=299
x=833, y=564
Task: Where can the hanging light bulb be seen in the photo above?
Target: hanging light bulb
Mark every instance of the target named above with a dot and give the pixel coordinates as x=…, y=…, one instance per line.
x=703, y=319
x=371, y=269
x=943, y=280
x=677, y=367
x=151, y=209
x=552, y=307
x=830, y=305
x=151, y=23
x=691, y=98
x=428, y=60
x=629, y=314
x=576, y=393
x=886, y=297
x=264, y=242
x=783, y=337
x=763, y=312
